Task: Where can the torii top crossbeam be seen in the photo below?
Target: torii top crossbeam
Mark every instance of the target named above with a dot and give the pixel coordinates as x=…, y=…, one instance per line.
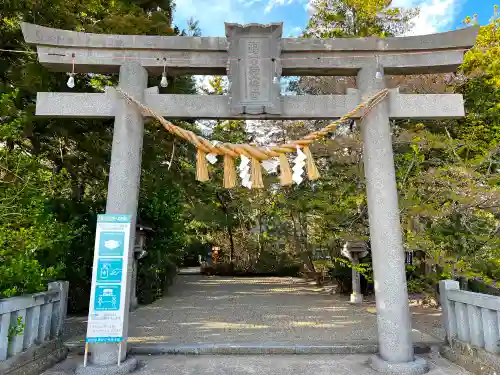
x=252, y=94
x=102, y=53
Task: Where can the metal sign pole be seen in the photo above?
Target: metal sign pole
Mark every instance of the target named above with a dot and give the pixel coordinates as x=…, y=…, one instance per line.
x=119, y=353
x=85, y=355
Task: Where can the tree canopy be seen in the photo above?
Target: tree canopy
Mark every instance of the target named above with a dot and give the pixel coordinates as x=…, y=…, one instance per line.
x=54, y=171
x=358, y=18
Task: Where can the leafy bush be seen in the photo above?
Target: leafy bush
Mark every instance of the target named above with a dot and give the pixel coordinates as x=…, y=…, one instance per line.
x=224, y=269
x=23, y=276
x=32, y=238
x=54, y=172
x=321, y=266
x=479, y=286
x=153, y=278
x=52, y=236
x=228, y=269
x=341, y=272
x=291, y=270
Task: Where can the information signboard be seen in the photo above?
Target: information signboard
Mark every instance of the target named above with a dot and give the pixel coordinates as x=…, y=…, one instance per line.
x=109, y=278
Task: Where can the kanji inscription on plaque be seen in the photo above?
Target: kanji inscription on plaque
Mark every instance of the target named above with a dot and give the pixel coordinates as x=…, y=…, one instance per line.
x=254, y=68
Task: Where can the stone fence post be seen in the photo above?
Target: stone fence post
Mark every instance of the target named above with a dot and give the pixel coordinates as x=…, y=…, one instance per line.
x=449, y=320
x=60, y=308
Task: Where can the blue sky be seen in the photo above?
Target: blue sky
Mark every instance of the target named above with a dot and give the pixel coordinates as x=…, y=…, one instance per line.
x=435, y=15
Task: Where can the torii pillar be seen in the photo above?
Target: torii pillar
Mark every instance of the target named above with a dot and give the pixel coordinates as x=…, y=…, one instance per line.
x=123, y=197
x=396, y=353
x=257, y=54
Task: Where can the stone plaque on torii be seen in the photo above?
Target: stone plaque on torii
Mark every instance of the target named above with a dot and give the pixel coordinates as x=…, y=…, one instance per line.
x=255, y=57
x=253, y=68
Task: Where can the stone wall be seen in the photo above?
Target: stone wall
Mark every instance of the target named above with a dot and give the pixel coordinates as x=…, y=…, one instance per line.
x=472, y=324
x=30, y=330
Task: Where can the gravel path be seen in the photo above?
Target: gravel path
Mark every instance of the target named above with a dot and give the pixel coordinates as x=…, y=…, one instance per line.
x=202, y=310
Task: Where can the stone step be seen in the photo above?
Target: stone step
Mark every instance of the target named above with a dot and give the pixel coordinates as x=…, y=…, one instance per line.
x=340, y=364
x=160, y=348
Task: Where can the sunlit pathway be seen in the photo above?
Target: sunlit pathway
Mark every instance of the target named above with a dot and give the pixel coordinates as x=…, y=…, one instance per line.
x=254, y=311
x=280, y=316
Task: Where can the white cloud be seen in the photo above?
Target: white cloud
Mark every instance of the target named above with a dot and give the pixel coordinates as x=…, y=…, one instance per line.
x=272, y=3
x=309, y=7
x=435, y=15
x=248, y=3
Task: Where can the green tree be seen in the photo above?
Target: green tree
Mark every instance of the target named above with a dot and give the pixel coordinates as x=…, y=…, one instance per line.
x=54, y=172
x=349, y=18
x=447, y=170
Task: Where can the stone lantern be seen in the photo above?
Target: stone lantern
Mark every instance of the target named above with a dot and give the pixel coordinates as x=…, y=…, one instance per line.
x=354, y=251
x=141, y=231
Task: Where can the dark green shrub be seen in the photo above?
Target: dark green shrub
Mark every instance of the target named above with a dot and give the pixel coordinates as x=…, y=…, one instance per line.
x=228, y=269
x=291, y=270
x=207, y=270
x=224, y=269
x=479, y=286
x=341, y=273
x=153, y=279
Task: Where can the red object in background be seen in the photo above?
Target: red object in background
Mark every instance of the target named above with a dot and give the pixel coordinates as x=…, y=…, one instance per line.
x=215, y=254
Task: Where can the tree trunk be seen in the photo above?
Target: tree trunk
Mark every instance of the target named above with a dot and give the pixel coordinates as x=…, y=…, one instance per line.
x=229, y=226
x=304, y=254
x=231, y=240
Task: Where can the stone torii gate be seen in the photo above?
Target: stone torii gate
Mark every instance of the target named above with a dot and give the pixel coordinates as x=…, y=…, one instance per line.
x=255, y=57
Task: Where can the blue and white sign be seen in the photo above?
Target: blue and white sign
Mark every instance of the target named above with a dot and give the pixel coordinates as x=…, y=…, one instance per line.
x=109, y=270
x=107, y=297
x=111, y=243
x=109, y=279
